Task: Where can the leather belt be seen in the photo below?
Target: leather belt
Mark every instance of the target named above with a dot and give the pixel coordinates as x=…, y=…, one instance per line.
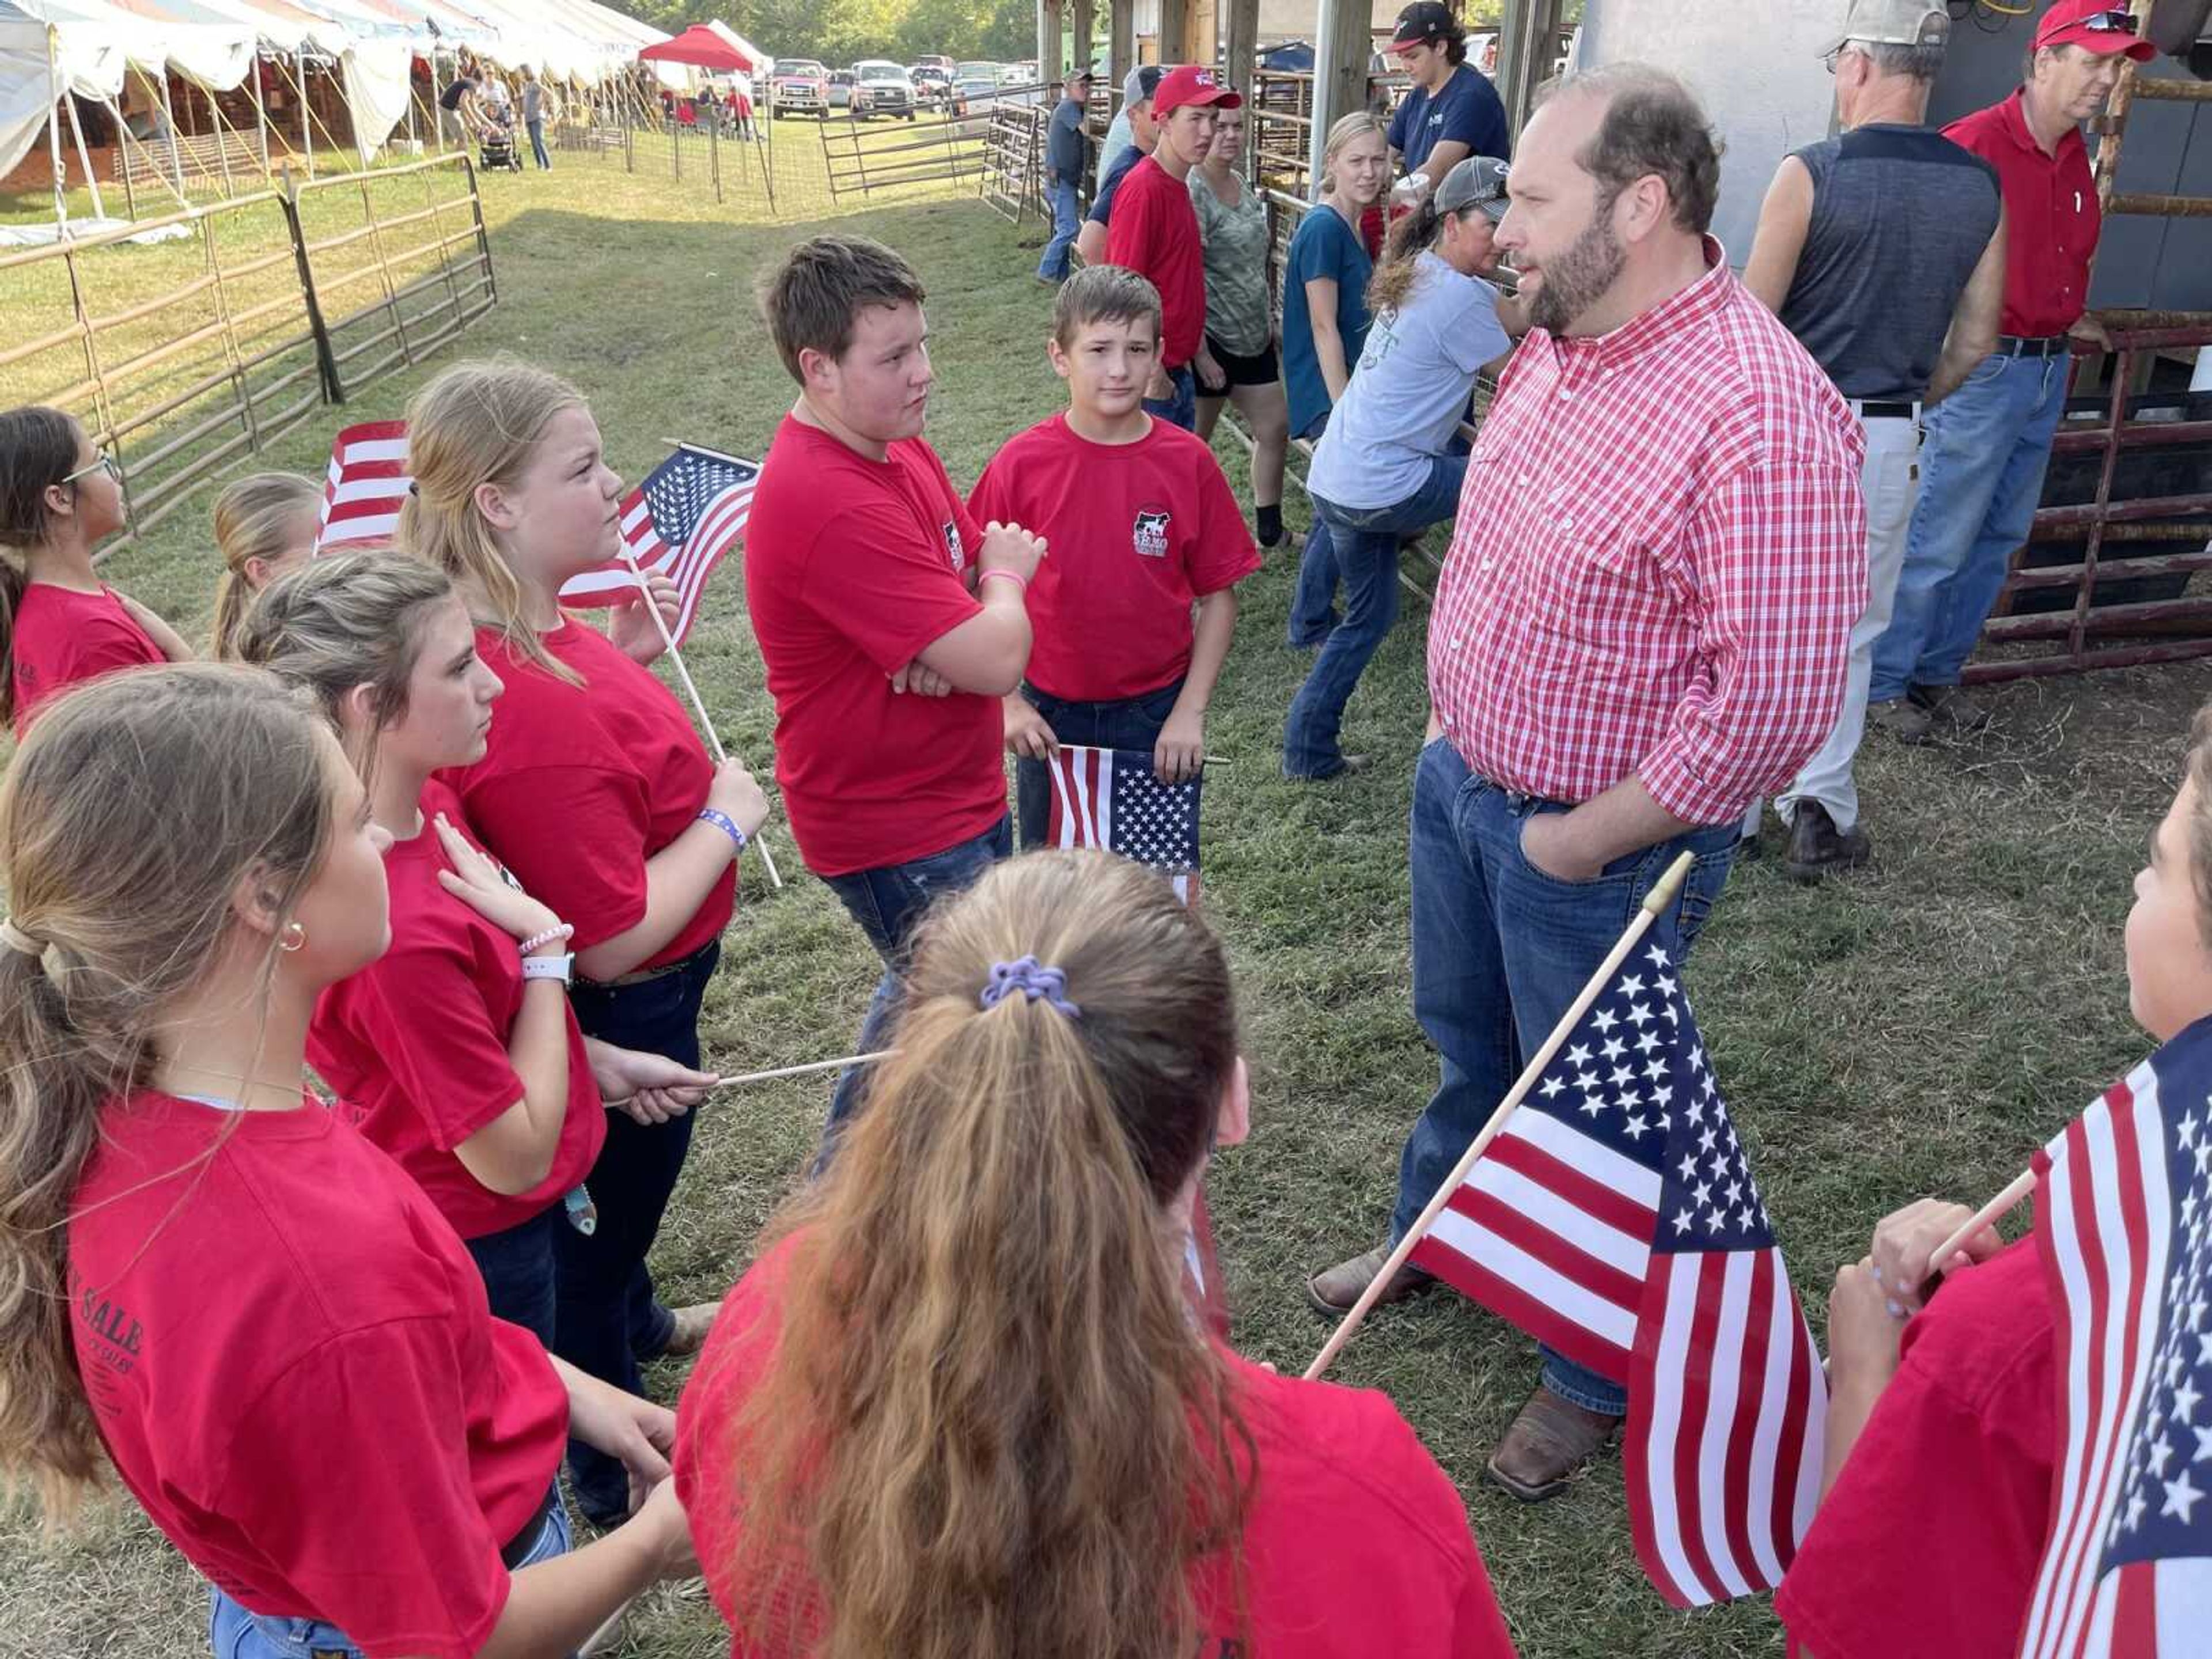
x=517, y=1549
x=1874, y=408
x=2046, y=345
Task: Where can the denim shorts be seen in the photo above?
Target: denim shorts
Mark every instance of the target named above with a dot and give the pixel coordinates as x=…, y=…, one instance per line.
x=235, y=1633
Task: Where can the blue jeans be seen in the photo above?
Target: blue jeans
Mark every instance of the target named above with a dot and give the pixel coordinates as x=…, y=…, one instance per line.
x=1131, y=723
x=518, y=1264
x=1066, y=220
x=1361, y=549
x=1180, y=407
x=888, y=903
x=538, y=145
x=235, y=1633
x=1500, y=950
x=1982, y=462
x=606, y=1317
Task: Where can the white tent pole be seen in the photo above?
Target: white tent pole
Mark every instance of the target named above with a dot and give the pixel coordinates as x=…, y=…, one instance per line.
x=169, y=120
x=261, y=110
x=307, y=133
x=83, y=154
x=54, y=134
x=437, y=106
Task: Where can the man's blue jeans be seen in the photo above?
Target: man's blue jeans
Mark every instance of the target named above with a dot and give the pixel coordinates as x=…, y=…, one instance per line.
x=1360, y=549
x=888, y=903
x=1128, y=723
x=1500, y=950
x=1180, y=407
x=1981, y=463
x=1066, y=220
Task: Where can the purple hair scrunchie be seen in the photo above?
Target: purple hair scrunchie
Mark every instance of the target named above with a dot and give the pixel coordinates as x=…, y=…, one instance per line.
x=1033, y=980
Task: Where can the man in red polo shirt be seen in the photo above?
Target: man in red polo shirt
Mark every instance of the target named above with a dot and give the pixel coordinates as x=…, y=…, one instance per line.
x=1986, y=445
x=1154, y=232
x=890, y=624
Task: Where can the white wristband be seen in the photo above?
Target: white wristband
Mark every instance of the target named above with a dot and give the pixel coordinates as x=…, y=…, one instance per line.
x=561, y=968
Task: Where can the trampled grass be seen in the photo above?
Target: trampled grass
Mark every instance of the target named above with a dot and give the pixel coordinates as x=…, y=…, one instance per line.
x=1914, y=1029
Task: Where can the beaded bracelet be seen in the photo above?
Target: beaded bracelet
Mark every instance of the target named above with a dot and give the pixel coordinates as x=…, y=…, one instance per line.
x=538, y=941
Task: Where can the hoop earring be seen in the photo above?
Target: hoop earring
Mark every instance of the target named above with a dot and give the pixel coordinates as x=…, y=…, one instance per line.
x=292, y=938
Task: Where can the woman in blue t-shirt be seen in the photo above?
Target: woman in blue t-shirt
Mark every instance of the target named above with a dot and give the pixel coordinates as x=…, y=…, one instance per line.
x=1384, y=467
x=1325, y=326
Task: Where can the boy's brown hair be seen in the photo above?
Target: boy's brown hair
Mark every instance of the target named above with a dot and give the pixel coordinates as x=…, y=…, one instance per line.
x=1102, y=294
x=815, y=297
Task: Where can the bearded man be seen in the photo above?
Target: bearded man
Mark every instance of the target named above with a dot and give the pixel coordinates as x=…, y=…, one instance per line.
x=1642, y=624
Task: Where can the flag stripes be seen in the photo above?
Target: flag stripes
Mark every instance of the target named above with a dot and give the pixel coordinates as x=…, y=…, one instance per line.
x=366, y=484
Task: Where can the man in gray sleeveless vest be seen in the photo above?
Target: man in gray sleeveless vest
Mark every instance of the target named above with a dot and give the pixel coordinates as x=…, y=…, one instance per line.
x=1882, y=250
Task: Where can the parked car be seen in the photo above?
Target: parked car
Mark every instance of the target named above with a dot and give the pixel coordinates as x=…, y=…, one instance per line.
x=974, y=87
x=841, y=90
x=934, y=61
x=881, y=88
x=932, y=86
x=801, y=87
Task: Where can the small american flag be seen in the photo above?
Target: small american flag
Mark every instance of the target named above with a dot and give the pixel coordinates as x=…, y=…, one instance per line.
x=690, y=510
x=1615, y=1220
x=2125, y=1207
x=365, y=485
x=1112, y=798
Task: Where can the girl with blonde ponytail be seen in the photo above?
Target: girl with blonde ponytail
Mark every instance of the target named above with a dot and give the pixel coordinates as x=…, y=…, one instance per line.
x=457, y=1049
x=961, y=1406
x=213, y=1284
x=596, y=793
x=265, y=526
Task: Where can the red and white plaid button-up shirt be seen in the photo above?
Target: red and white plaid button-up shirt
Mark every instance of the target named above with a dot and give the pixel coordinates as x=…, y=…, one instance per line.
x=1660, y=551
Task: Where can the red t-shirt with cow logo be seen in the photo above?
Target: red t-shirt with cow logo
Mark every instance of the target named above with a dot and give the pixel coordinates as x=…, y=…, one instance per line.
x=1136, y=533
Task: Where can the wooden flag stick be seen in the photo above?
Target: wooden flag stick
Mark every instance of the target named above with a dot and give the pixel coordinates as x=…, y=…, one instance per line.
x=811, y=1065
x=698, y=703
x=2017, y=1189
x=1660, y=897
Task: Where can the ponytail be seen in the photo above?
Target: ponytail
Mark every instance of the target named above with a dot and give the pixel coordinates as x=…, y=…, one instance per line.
x=257, y=518
x=477, y=423
x=114, y=913
x=1410, y=238
x=991, y=1427
x=38, y=449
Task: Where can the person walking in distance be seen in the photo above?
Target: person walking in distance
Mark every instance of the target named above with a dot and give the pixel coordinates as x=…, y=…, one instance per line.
x=1063, y=157
x=1642, y=623
x=1982, y=465
x=1883, y=251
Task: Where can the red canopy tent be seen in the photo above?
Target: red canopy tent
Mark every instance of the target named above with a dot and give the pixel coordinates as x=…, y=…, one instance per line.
x=701, y=47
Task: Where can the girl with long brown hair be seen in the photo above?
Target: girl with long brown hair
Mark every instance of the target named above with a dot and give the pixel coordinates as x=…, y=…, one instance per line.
x=961, y=1406
x=273, y=1337
x=265, y=526
x=596, y=793
x=60, y=497
x=457, y=1048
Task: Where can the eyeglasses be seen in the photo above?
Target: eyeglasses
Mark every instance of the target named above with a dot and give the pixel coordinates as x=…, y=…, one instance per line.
x=105, y=464
x=2116, y=21
x=1835, y=55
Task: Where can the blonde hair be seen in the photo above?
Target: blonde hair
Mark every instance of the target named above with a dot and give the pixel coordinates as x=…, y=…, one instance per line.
x=991, y=1427
x=254, y=519
x=129, y=816
x=478, y=423
x=1357, y=124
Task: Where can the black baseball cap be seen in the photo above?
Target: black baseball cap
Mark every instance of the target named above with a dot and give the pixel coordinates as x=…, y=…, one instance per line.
x=1475, y=181
x=1423, y=24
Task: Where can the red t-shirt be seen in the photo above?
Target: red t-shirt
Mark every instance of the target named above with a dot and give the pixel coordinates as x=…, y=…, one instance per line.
x=1137, y=532
x=583, y=783
x=1930, y=1539
x=1355, y=1544
x=416, y=1044
x=63, y=636
x=1154, y=232
x=290, y=1360
x=2052, y=216
x=853, y=566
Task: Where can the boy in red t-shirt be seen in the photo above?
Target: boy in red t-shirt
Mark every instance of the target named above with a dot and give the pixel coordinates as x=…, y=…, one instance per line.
x=1143, y=525
x=890, y=621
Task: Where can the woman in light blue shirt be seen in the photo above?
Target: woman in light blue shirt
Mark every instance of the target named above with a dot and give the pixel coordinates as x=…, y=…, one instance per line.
x=1383, y=467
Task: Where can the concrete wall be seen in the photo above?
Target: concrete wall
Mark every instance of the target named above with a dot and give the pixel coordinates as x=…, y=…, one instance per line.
x=1757, y=70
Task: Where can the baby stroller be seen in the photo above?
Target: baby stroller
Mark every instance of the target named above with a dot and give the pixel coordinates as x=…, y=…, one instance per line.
x=495, y=148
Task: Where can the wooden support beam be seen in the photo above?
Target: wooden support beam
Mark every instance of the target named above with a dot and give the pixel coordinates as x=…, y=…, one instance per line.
x=1080, y=24
x=1342, y=45
x=1526, y=43
x=1121, y=49
x=1047, y=40
x=1240, y=41
x=1175, y=31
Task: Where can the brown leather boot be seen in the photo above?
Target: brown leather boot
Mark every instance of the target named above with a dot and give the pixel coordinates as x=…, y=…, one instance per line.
x=1548, y=1443
x=1332, y=1294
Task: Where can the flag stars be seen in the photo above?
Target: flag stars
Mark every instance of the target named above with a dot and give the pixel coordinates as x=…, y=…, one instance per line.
x=2161, y=1454
x=1554, y=1086
x=1646, y=1042
x=1657, y=958
x=1636, y=1128
x=1631, y=987
x=1605, y=1019
x=1614, y=1048
x=1707, y=1139
x=2184, y=1402
x=1682, y=1225
x=2182, y=1497
x=1579, y=1055
x=2204, y=1445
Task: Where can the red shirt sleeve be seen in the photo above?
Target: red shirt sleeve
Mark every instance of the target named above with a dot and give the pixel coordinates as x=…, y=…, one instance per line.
x=422, y=1011
x=432, y=1586
x=575, y=837
x=992, y=498
x=1225, y=553
x=881, y=586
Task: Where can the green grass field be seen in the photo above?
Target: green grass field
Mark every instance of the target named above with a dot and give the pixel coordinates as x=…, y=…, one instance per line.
x=1914, y=1029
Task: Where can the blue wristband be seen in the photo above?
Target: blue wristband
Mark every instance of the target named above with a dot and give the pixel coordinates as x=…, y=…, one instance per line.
x=723, y=821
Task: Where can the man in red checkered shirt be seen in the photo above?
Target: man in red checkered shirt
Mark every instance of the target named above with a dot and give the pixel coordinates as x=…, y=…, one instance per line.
x=1641, y=625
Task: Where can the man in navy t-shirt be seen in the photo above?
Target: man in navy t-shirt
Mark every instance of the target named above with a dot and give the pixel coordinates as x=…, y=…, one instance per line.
x=1453, y=112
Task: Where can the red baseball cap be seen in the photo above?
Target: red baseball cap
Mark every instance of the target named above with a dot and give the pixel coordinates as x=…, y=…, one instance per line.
x=1189, y=83
x=2100, y=26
